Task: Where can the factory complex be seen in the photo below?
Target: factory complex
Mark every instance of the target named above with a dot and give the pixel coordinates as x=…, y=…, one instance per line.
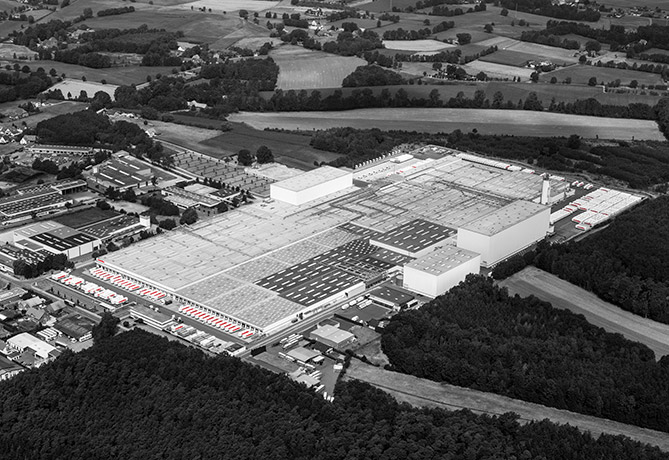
x=431, y=216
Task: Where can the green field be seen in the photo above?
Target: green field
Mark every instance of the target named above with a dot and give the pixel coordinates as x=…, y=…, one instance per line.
x=113, y=75
x=518, y=122
x=289, y=149
x=85, y=217
x=306, y=69
x=580, y=74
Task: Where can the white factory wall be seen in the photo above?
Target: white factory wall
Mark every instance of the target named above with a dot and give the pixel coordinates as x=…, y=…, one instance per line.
x=434, y=285
x=495, y=248
x=313, y=193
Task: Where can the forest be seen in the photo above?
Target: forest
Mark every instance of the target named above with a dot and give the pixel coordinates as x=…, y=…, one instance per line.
x=626, y=263
x=91, y=129
x=476, y=336
x=139, y=396
x=372, y=75
x=639, y=164
x=22, y=84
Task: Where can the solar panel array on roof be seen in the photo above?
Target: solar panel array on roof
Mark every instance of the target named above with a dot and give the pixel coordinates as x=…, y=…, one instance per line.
x=62, y=244
x=415, y=235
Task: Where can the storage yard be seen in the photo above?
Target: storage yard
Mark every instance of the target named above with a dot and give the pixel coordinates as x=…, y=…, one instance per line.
x=275, y=262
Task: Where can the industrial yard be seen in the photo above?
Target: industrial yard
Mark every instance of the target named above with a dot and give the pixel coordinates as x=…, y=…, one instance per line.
x=319, y=239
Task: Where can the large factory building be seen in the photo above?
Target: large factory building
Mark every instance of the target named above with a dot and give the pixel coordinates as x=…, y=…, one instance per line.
x=311, y=185
x=505, y=231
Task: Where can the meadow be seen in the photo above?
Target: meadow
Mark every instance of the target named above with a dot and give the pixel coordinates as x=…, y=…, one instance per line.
x=300, y=68
x=72, y=88
x=495, y=70
x=517, y=122
x=416, y=45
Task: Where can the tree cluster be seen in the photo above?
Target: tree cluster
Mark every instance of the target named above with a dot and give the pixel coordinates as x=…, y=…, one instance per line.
x=91, y=129
x=372, y=75
x=158, y=205
x=548, y=8
x=22, y=85
x=477, y=336
x=115, y=11
x=49, y=262
x=137, y=395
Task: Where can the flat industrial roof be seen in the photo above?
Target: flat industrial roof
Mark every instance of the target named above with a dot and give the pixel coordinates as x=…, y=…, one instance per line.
x=54, y=235
x=442, y=260
x=415, y=235
x=391, y=294
x=332, y=333
x=312, y=178
x=505, y=217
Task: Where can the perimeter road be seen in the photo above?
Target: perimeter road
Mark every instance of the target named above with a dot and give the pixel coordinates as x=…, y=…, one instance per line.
x=426, y=393
x=563, y=294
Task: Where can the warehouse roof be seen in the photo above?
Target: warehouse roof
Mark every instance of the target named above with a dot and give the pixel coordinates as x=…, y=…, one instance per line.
x=25, y=340
x=415, y=235
x=442, y=260
x=334, y=334
x=505, y=217
x=53, y=235
x=75, y=327
x=312, y=178
x=391, y=294
x=303, y=354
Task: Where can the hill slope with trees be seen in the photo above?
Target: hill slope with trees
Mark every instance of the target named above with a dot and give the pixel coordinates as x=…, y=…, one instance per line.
x=477, y=336
x=138, y=396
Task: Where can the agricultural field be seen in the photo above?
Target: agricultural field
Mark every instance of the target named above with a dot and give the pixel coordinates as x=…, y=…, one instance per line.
x=46, y=112
x=198, y=27
x=113, y=75
x=8, y=50
x=300, y=68
x=493, y=70
x=416, y=45
x=518, y=53
x=580, y=74
x=518, y=122
x=289, y=149
x=72, y=88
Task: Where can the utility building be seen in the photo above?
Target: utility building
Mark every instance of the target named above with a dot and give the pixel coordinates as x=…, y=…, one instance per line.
x=311, y=185
x=505, y=231
x=438, y=271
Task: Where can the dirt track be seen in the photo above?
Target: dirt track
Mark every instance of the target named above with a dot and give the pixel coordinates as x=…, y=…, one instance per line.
x=562, y=294
x=426, y=393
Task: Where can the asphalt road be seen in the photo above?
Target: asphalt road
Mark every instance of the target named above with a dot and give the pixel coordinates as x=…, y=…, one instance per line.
x=562, y=294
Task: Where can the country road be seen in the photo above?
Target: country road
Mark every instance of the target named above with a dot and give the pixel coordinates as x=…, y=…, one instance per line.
x=562, y=294
x=426, y=393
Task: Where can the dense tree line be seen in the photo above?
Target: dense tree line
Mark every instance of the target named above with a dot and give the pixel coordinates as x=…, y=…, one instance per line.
x=640, y=164
x=165, y=400
x=91, y=129
x=662, y=111
x=477, y=336
x=547, y=8
x=626, y=263
x=372, y=75
x=115, y=11
x=158, y=205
